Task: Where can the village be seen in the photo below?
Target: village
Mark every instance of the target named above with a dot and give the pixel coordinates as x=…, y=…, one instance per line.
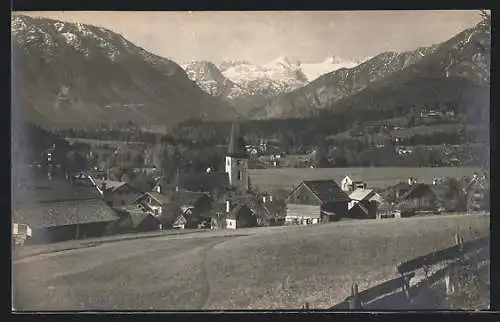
x=51, y=206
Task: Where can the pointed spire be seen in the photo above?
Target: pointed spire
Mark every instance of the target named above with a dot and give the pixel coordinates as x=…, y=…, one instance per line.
x=236, y=146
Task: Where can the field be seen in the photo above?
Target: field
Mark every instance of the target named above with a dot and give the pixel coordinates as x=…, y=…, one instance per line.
x=260, y=268
x=374, y=177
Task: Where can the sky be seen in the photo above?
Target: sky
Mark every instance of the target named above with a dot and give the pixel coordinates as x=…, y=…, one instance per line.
x=260, y=37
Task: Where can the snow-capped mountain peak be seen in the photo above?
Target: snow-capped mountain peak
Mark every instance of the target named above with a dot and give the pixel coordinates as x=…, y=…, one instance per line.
x=335, y=60
x=330, y=64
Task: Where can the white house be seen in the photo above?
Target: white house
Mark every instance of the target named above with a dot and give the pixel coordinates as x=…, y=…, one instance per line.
x=347, y=184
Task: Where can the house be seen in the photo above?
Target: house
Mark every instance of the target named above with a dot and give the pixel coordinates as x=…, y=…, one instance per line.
x=478, y=194
x=385, y=210
x=20, y=233
x=316, y=201
x=419, y=198
x=360, y=211
x=364, y=201
x=153, y=202
x=403, y=187
x=134, y=219
x=195, y=209
x=58, y=208
x=241, y=216
x=117, y=193
x=347, y=184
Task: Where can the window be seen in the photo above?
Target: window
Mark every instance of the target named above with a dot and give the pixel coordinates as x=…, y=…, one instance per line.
x=239, y=175
x=238, y=162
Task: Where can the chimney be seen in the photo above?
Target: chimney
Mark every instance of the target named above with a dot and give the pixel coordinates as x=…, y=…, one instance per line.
x=103, y=186
x=158, y=188
x=264, y=199
x=270, y=198
x=228, y=206
x=410, y=180
x=434, y=182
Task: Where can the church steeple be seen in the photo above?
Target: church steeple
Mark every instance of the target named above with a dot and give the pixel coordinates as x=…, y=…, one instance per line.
x=237, y=160
x=236, y=146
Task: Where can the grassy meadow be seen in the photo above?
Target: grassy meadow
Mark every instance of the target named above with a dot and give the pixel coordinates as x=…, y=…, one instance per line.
x=375, y=177
x=258, y=268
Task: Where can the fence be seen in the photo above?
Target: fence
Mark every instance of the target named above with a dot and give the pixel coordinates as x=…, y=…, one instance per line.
x=401, y=289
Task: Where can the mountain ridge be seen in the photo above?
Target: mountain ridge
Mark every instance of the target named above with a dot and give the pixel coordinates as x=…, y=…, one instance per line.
x=96, y=75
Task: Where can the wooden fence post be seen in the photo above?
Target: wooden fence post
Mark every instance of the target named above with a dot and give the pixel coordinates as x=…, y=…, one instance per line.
x=354, y=301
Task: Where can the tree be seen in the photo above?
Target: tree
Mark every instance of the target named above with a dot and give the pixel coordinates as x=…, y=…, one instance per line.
x=486, y=17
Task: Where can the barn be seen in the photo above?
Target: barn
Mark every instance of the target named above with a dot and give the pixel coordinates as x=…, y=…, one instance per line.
x=312, y=202
x=58, y=208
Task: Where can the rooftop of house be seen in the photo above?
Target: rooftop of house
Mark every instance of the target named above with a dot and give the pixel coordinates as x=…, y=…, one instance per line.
x=111, y=185
x=327, y=190
x=361, y=194
x=416, y=188
x=38, y=187
x=61, y=213
x=361, y=207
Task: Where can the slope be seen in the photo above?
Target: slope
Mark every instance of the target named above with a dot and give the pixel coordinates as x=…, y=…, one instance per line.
x=68, y=74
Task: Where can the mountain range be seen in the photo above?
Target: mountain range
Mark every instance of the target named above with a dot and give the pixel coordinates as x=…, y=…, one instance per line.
x=68, y=74
x=74, y=74
x=246, y=85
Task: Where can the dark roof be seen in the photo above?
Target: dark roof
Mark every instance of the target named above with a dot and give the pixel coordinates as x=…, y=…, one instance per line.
x=360, y=206
x=417, y=188
x=39, y=188
x=327, y=190
x=61, y=213
x=236, y=146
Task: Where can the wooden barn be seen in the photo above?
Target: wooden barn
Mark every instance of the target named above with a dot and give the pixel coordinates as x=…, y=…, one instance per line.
x=420, y=198
x=313, y=202
x=59, y=208
x=364, y=203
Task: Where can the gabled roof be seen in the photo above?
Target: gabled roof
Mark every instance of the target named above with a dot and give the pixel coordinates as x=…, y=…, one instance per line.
x=37, y=187
x=111, y=185
x=361, y=194
x=326, y=190
x=415, y=188
x=479, y=183
x=50, y=214
x=361, y=207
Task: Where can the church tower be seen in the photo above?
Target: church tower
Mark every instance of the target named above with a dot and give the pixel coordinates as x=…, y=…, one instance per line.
x=237, y=160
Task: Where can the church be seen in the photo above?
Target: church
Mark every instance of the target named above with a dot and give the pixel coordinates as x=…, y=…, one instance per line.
x=216, y=183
